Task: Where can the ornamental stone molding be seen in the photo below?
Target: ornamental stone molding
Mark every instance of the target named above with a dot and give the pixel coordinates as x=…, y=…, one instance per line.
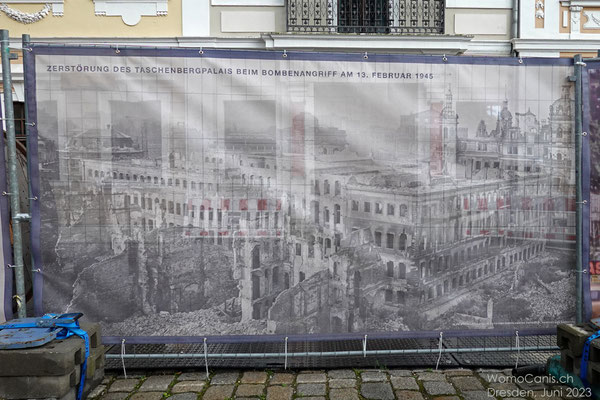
x=131, y=11
x=8, y=8
x=593, y=19
x=575, y=18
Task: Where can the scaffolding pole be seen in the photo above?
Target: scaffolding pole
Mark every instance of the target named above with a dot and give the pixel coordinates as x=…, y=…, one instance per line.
x=13, y=188
x=351, y=353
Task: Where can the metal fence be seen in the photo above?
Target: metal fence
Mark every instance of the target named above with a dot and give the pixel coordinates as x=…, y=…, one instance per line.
x=366, y=16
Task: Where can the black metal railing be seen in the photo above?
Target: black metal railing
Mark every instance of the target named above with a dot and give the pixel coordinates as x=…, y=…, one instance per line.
x=366, y=16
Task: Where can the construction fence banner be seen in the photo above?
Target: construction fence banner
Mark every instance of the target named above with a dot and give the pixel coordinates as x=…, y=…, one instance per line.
x=189, y=192
x=591, y=181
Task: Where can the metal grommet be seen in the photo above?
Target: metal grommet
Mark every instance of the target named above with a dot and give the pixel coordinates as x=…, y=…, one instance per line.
x=444, y=58
x=583, y=133
x=284, y=55
x=366, y=56
x=201, y=51
x=520, y=60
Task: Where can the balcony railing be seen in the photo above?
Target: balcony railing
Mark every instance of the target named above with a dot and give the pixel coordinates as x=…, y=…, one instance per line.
x=366, y=16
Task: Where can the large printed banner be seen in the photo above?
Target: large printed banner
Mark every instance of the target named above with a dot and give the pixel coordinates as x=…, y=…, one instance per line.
x=234, y=193
x=591, y=120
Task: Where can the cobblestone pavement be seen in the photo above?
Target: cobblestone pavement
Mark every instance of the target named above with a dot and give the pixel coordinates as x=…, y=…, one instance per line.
x=342, y=384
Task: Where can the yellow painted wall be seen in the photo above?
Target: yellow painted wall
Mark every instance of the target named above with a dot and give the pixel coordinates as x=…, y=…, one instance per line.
x=215, y=20
x=584, y=54
x=79, y=21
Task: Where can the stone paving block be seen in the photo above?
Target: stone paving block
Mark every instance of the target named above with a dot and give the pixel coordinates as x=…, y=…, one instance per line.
x=466, y=383
x=311, y=389
x=248, y=390
x=184, y=396
x=188, y=386
x=477, y=395
x=492, y=376
x=531, y=386
x=409, y=395
x=373, y=376
x=377, y=390
x=341, y=374
x=503, y=386
x=192, y=376
x=281, y=378
x=107, y=378
x=343, y=394
x=254, y=377
x=400, y=372
x=98, y=390
x=279, y=393
x=458, y=372
x=313, y=398
x=123, y=385
x=404, y=383
x=435, y=388
x=545, y=395
x=157, y=383
x=311, y=378
x=218, y=392
x=147, y=396
x=342, y=383
x=225, y=378
x=115, y=396
x=431, y=376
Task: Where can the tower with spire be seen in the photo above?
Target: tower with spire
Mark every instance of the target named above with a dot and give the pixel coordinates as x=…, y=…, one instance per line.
x=449, y=123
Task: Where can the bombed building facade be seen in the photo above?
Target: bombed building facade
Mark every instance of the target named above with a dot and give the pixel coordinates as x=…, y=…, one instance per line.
x=310, y=235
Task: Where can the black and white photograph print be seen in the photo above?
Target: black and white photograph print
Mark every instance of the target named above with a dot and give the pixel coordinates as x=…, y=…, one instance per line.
x=217, y=203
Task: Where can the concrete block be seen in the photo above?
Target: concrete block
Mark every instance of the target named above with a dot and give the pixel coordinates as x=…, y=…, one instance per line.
x=595, y=350
x=569, y=362
x=38, y=387
x=94, y=332
x=95, y=361
x=572, y=337
x=56, y=358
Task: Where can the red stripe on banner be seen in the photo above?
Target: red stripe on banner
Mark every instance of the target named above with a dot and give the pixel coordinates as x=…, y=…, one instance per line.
x=466, y=204
x=278, y=205
x=262, y=204
x=206, y=204
x=482, y=204
x=244, y=205
x=225, y=204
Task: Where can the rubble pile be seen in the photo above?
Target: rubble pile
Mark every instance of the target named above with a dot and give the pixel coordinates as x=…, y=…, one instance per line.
x=195, y=323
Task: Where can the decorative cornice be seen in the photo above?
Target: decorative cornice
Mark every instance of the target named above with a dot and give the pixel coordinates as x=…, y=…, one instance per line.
x=131, y=11
x=30, y=18
x=58, y=6
x=426, y=44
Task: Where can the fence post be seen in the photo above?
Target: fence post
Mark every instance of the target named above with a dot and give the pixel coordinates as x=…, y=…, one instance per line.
x=579, y=197
x=16, y=216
